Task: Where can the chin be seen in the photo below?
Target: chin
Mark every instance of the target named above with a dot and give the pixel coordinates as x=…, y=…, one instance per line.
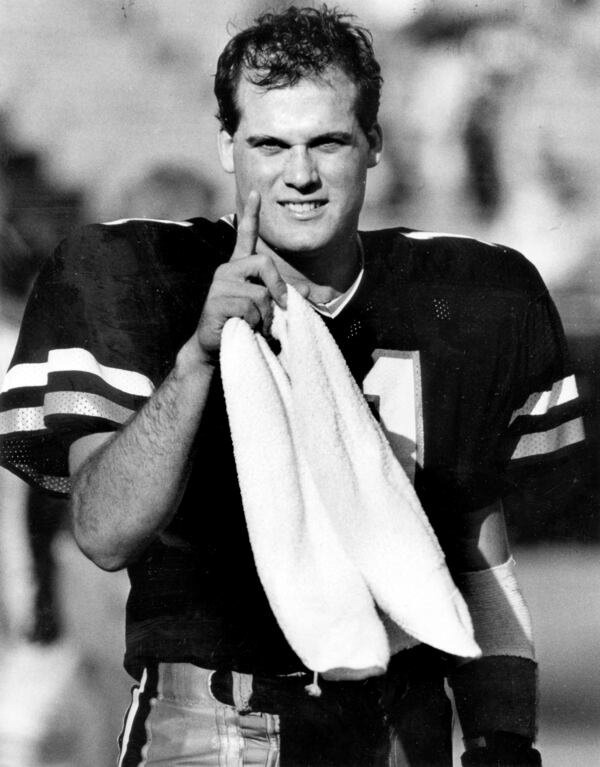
x=298, y=248
x=298, y=243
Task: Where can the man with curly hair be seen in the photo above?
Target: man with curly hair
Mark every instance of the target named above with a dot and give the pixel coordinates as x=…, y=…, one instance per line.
x=118, y=400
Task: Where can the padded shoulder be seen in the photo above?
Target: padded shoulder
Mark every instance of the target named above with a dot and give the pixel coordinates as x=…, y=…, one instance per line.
x=452, y=258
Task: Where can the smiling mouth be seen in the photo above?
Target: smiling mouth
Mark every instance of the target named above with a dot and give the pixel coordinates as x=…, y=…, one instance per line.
x=303, y=207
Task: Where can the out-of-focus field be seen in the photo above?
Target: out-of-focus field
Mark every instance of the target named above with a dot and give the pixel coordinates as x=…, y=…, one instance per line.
x=63, y=705
x=562, y=586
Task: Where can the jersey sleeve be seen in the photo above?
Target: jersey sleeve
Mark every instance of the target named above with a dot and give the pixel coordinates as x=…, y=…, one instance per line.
x=91, y=350
x=544, y=452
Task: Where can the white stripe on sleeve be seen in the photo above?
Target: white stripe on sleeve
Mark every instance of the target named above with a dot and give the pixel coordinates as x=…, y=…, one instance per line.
x=29, y=419
x=80, y=361
x=83, y=403
x=544, y=442
x=540, y=403
x=22, y=419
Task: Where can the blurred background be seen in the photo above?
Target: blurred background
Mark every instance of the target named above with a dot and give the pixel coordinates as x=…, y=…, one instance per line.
x=490, y=113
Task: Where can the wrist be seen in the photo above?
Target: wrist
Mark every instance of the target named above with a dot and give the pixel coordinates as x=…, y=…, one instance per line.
x=500, y=749
x=193, y=360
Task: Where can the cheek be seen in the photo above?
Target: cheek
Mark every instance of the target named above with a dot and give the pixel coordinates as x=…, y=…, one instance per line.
x=349, y=177
x=244, y=171
x=351, y=188
x=255, y=170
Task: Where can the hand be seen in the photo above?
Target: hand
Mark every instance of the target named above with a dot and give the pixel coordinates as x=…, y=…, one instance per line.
x=503, y=748
x=245, y=286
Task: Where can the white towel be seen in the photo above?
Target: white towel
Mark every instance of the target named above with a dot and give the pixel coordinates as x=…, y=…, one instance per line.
x=348, y=560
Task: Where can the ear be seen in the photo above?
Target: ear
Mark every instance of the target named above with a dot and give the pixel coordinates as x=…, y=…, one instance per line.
x=225, y=145
x=375, y=139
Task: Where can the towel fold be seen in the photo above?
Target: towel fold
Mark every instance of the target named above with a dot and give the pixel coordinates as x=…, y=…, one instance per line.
x=348, y=560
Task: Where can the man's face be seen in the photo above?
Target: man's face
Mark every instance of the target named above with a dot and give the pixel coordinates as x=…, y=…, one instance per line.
x=303, y=150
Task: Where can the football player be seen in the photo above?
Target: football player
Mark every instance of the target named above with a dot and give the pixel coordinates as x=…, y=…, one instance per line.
x=114, y=396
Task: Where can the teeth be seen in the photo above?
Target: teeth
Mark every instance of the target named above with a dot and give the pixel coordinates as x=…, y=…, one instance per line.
x=302, y=207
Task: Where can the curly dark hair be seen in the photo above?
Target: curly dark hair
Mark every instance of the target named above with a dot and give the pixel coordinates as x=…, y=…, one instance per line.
x=281, y=48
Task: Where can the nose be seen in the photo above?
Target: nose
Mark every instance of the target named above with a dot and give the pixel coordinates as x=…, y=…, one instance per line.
x=300, y=170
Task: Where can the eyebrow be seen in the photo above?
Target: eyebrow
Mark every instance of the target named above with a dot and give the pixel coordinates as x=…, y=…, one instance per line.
x=341, y=136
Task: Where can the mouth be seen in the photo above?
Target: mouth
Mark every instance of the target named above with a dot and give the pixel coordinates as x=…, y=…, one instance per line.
x=303, y=208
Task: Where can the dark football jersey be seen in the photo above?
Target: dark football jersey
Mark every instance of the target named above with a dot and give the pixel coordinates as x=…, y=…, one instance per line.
x=456, y=344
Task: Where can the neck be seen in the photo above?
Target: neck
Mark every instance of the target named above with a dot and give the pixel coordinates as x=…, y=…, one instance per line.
x=326, y=275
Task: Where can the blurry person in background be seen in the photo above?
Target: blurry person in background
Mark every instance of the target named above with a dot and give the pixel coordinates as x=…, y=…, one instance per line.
x=34, y=213
x=29, y=521
x=51, y=702
x=115, y=396
x=16, y=577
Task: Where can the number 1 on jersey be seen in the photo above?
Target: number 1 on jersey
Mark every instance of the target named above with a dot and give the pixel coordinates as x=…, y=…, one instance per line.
x=393, y=387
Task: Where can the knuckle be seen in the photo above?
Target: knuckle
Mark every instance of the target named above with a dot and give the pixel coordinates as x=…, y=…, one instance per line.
x=262, y=294
x=221, y=274
x=246, y=305
x=264, y=260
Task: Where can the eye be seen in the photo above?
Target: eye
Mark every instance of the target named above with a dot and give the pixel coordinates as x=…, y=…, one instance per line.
x=270, y=146
x=330, y=144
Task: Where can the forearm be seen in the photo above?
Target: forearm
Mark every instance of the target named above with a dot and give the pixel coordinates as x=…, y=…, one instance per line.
x=128, y=490
x=496, y=695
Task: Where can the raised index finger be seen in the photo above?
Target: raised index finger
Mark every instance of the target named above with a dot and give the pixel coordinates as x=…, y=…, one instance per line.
x=247, y=233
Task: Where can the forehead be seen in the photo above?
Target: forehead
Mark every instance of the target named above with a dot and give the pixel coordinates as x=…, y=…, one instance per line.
x=312, y=103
